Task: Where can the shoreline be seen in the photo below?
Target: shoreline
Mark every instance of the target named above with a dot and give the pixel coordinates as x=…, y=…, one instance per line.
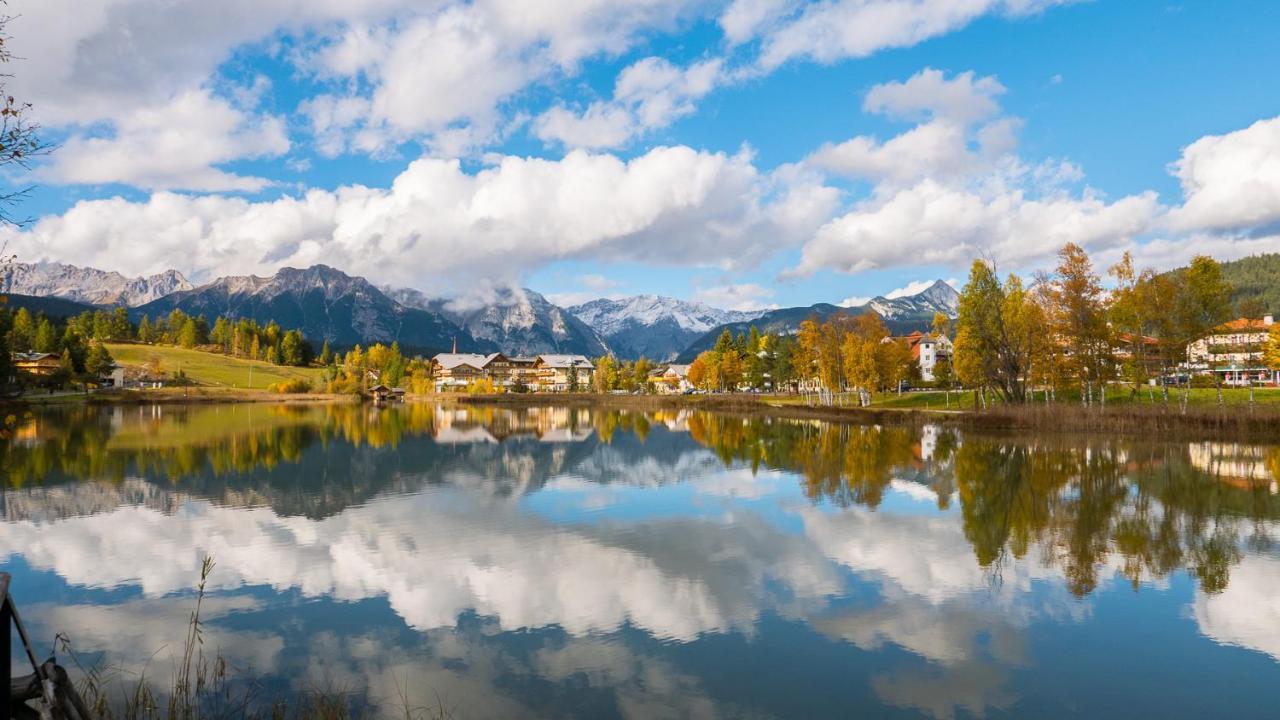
x=1210, y=421
x=176, y=396
x=1232, y=422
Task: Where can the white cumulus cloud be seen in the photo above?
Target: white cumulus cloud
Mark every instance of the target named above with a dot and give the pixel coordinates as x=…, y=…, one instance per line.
x=1230, y=181
x=438, y=224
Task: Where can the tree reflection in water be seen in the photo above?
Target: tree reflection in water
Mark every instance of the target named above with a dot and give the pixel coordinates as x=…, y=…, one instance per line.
x=1083, y=504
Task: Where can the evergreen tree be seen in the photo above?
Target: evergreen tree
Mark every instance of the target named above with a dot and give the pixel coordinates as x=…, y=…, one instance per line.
x=202, y=331
x=121, y=329
x=326, y=355
x=22, y=331
x=98, y=361
x=145, y=333
x=74, y=348
x=187, y=333
x=725, y=342
x=46, y=339
x=293, y=349
x=220, y=335
x=101, y=326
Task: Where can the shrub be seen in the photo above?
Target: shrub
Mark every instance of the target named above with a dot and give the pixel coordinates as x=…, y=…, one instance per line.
x=296, y=385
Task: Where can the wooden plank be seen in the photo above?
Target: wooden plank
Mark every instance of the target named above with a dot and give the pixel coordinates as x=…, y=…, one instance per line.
x=6, y=634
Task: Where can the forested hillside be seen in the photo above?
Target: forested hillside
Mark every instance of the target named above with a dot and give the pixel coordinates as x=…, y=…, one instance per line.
x=1257, y=277
x=1254, y=280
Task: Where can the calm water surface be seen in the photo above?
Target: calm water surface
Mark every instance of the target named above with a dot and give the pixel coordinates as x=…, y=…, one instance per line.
x=554, y=562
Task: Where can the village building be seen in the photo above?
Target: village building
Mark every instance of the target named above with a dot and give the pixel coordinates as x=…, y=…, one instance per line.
x=556, y=373
x=927, y=349
x=35, y=363
x=1234, y=352
x=522, y=371
x=453, y=371
x=381, y=393
x=674, y=380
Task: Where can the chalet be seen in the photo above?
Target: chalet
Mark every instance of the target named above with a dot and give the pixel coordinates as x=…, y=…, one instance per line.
x=1234, y=350
x=560, y=372
x=522, y=371
x=672, y=381
x=458, y=370
x=39, y=364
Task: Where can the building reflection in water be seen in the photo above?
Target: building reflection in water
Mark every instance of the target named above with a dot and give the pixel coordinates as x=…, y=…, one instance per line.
x=591, y=553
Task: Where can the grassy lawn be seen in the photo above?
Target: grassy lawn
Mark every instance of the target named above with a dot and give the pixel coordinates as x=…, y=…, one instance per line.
x=210, y=368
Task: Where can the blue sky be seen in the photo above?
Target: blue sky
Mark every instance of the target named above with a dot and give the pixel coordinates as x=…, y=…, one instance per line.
x=745, y=153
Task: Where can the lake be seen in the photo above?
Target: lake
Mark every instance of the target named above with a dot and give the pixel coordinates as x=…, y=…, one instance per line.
x=553, y=562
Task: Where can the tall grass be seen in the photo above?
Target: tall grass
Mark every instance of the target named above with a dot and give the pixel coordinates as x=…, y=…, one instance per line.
x=206, y=687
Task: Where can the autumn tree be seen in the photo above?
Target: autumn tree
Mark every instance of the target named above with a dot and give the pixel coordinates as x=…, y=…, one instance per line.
x=1078, y=319
x=1271, y=350
x=942, y=325
x=805, y=358
x=1203, y=302
x=893, y=363
x=999, y=333
x=606, y=375
x=730, y=370
x=698, y=371
x=860, y=367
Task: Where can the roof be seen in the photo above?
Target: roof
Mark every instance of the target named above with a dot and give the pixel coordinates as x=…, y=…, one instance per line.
x=379, y=389
x=678, y=370
x=1243, y=325
x=34, y=356
x=449, y=361
x=1128, y=337
x=565, y=361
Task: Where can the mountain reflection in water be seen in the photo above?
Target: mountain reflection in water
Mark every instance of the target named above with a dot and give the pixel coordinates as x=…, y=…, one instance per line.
x=556, y=561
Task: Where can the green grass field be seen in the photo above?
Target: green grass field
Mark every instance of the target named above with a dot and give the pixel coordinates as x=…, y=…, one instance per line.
x=210, y=368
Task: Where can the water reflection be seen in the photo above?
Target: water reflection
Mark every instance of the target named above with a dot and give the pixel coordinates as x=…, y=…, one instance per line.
x=563, y=561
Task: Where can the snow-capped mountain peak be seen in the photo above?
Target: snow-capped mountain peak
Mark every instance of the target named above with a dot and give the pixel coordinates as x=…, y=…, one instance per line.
x=939, y=297
x=654, y=326
x=609, y=316
x=89, y=285
x=518, y=320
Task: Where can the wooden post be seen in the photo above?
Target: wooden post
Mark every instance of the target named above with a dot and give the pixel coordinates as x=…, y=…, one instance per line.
x=6, y=619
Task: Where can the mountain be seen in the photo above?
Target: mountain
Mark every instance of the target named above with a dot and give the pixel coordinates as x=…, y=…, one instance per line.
x=901, y=314
x=326, y=304
x=939, y=297
x=653, y=326
x=89, y=285
x=54, y=307
x=519, y=321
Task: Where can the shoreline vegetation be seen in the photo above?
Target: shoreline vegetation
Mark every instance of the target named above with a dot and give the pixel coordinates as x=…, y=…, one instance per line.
x=1128, y=418
x=1123, y=414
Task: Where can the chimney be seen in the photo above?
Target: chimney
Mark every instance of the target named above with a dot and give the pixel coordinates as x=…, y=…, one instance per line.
x=455, y=345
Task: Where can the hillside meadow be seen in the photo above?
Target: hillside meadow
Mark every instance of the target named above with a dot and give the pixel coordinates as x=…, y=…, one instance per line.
x=207, y=368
